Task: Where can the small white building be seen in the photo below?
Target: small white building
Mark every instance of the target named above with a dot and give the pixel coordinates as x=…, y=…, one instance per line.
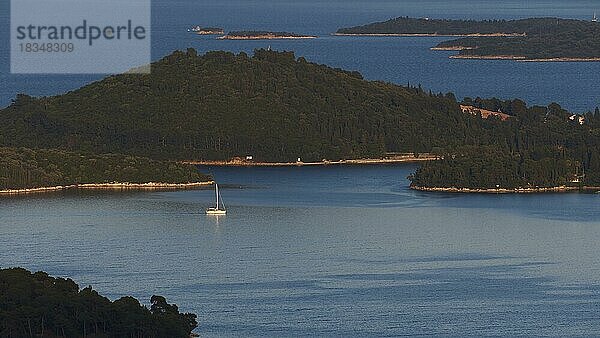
x=579, y=118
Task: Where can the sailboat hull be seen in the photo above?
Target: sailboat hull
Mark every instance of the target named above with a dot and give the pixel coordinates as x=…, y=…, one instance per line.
x=216, y=212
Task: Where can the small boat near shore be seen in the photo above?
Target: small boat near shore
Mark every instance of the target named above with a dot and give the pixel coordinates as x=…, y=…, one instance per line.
x=217, y=210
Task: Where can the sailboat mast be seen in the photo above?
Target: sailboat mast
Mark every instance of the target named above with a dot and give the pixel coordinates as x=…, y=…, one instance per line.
x=217, y=193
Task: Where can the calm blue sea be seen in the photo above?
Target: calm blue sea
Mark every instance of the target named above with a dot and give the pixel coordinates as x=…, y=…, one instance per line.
x=327, y=252
x=400, y=60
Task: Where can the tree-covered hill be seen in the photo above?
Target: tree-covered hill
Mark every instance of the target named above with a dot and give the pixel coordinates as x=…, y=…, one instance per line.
x=221, y=105
x=407, y=25
x=38, y=305
x=22, y=168
x=539, y=147
x=548, y=39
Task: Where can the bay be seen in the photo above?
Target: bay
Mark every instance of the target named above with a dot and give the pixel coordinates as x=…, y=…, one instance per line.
x=326, y=251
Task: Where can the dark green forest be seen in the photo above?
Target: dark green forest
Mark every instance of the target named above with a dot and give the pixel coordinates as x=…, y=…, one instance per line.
x=26, y=168
x=544, y=37
x=539, y=147
x=489, y=167
x=406, y=25
x=38, y=305
x=278, y=108
x=220, y=105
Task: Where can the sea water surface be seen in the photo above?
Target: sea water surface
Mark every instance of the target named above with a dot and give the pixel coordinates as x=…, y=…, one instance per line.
x=575, y=85
x=326, y=251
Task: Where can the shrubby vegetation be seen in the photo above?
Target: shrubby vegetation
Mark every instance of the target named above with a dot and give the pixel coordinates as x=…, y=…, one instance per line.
x=36, y=304
x=545, y=37
x=26, y=168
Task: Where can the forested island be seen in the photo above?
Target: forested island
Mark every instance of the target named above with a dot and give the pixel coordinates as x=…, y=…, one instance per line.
x=26, y=170
x=263, y=35
x=207, y=30
x=534, y=39
x=38, y=305
x=275, y=107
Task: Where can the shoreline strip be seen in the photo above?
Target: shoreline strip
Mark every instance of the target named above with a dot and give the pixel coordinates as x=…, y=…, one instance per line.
x=434, y=34
x=518, y=58
x=561, y=189
x=108, y=186
x=265, y=37
x=407, y=159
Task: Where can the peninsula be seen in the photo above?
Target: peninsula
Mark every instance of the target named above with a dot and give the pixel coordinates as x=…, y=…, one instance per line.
x=263, y=35
x=533, y=39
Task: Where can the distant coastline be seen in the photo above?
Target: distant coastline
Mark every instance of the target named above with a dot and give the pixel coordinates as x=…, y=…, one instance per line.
x=547, y=39
x=109, y=186
x=262, y=35
x=488, y=57
x=478, y=35
x=505, y=191
x=452, y=48
x=510, y=57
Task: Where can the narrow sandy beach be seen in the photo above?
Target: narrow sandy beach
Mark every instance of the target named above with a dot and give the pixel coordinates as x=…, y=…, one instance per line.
x=241, y=163
x=109, y=186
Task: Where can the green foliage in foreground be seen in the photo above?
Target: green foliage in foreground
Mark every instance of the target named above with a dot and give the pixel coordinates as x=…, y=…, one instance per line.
x=545, y=37
x=40, y=305
x=26, y=168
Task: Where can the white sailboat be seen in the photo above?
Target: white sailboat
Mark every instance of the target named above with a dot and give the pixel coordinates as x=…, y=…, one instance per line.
x=217, y=210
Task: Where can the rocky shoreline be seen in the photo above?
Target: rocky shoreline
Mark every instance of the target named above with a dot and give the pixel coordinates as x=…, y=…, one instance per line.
x=452, y=48
x=489, y=57
x=434, y=34
x=109, y=186
x=509, y=57
x=506, y=191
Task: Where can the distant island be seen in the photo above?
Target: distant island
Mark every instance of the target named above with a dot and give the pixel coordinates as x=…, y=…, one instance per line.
x=207, y=30
x=263, y=35
x=534, y=39
x=38, y=305
x=275, y=108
